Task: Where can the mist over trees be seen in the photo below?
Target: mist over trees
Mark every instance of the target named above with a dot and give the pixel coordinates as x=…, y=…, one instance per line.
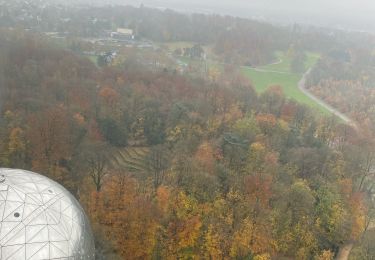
x=169, y=166
x=172, y=151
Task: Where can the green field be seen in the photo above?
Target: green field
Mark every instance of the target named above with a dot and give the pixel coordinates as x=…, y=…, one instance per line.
x=265, y=76
x=280, y=74
x=284, y=66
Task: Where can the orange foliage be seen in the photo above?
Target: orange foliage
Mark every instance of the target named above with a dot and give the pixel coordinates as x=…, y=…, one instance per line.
x=205, y=156
x=109, y=96
x=266, y=122
x=129, y=219
x=288, y=111
x=258, y=189
x=49, y=135
x=184, y=226
x=163, y=196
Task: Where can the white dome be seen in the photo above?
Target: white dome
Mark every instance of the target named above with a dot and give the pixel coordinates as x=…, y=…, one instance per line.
x=39, y=219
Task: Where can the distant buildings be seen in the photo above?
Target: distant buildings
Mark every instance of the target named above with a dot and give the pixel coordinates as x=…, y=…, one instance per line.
x=196, y=52
x=123, y=34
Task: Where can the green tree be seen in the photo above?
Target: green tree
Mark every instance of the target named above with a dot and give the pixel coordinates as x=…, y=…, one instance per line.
x=113, y=132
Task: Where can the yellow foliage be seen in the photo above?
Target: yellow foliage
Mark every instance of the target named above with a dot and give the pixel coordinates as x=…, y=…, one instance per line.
x=8, y=115
x=175, y=134
x=242, y=240
x=184, y=228
x=257, y=147
x=325, y=255
x=126, y=218
x=212, y=244
x=213, y=74
x=262, y=257
x=284, y=125
x=16, y=143
x=234, y=114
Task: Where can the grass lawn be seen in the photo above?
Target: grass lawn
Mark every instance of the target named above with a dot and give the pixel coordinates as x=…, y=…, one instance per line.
x=289, y=83
x=274, y=74
x=284, y=66
x=287, y=80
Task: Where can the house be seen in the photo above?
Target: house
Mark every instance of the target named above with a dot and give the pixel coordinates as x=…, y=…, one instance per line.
x=123, y=34
x=196, y=52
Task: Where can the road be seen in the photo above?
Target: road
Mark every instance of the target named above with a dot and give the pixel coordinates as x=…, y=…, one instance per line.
x=302, y=88
x=343, y=117
x=345, y=249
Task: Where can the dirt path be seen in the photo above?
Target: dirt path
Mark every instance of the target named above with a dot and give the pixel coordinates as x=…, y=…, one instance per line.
x=344, y=251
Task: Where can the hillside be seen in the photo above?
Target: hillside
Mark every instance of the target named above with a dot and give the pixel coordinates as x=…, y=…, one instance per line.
x=172, y=166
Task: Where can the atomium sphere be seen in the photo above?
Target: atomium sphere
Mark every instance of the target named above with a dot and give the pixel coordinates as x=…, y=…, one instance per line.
x=39, y=219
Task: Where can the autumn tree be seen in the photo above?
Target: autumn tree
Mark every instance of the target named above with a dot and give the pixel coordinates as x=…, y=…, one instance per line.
x=183, y=228
x=96, y=158
x=157, y=164
x=50, y=140
x=17, y=147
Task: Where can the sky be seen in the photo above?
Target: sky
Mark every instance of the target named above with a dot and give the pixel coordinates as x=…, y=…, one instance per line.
x=344, y=14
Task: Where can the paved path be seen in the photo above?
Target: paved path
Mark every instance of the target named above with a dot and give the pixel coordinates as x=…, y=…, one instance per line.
x=344, y=251
x=266, y=70
x=302, y=87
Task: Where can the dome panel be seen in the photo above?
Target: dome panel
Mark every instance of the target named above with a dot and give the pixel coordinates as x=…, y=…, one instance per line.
x=39, y=219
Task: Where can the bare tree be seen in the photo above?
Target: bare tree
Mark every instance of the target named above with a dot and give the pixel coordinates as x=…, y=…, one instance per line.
x=96, y=159
x=158, y=163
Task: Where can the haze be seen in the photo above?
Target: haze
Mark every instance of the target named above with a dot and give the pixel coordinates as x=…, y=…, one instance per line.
x=342, y=14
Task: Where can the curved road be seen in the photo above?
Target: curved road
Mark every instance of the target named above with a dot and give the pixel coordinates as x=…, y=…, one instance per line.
x=302, y=87
x=344, y=250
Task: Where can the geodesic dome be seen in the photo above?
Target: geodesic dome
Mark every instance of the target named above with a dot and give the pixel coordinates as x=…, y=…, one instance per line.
x=39, y=219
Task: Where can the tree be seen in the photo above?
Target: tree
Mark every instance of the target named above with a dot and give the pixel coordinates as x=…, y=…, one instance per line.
x=49, y=136
x=110, y=98
x=272, y=100
x=331, y=216
x=157, y=163
x=183, y=228
x=212, y=244
x=205, y=157
x=113, y=132
x=301, y=202
x=96, y=159
x=154, y=125
x=17, y=147
x=129, y=219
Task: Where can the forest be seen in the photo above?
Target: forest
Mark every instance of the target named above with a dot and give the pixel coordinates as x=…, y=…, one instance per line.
x=169, y=166
x=193, y=140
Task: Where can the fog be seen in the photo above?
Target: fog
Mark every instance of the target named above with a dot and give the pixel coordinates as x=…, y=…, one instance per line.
x=344, y=14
